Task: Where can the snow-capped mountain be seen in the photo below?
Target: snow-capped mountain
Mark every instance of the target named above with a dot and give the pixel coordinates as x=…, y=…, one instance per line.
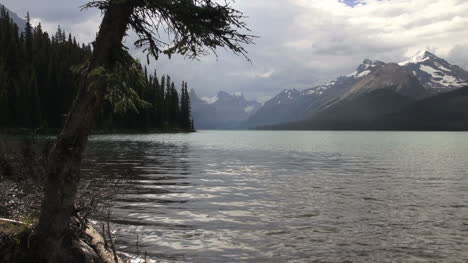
x=16, y=19
x=235, y=101
x=381, y=92
x=223, y=111
x=389, y=76
x=434, y=73
x=337, y=86
x=294, y=105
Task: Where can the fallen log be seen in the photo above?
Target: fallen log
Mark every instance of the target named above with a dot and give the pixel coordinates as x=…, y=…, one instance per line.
x=97, y=242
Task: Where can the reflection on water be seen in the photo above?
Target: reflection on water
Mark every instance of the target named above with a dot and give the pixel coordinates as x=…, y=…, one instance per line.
x=288, y=196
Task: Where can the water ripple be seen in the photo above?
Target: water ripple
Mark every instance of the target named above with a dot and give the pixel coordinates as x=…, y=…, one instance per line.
x=288, y=196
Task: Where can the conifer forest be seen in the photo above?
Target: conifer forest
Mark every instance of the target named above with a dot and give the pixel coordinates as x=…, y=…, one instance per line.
x=38, y=82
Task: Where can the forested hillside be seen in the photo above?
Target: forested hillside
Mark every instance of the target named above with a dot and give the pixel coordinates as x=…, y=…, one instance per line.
x=38, y=84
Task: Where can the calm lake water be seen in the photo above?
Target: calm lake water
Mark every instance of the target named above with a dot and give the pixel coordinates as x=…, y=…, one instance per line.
x=258, y=196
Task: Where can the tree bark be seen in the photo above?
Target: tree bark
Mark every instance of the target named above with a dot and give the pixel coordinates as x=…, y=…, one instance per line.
x=63, y=170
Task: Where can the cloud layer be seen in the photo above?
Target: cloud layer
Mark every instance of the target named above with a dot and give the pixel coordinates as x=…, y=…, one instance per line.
x=302, y=42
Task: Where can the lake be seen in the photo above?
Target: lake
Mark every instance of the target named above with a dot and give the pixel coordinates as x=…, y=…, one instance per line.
x=285, y=196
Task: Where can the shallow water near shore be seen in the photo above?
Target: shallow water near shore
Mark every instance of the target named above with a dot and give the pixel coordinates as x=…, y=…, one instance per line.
x=279, y=196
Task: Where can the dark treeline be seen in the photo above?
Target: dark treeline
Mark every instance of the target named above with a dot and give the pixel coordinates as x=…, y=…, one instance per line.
x=166, y=110
x=37, y=85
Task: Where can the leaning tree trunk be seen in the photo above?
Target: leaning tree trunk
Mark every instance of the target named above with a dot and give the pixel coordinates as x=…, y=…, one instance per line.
x=63, y=171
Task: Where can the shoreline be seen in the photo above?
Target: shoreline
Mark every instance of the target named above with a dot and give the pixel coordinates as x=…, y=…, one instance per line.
x=54, y=132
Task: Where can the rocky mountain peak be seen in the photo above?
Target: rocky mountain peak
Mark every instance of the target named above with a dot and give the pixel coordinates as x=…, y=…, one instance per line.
x=194, y=97
x=223, y=111
x=367, y=66
x=420, y=57
x=391, y=76
x=224, y=96
x=434, y=73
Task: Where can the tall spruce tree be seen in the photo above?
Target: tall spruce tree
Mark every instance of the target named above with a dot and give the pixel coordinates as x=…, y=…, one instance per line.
x=28, y=38
x=185, y=114
x=174, y=110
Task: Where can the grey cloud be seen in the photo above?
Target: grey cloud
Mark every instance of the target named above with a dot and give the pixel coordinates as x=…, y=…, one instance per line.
x=302, y=42
x=60, y=11
x=459, y=55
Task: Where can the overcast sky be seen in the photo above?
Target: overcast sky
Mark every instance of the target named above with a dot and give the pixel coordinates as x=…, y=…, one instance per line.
x=302, y=42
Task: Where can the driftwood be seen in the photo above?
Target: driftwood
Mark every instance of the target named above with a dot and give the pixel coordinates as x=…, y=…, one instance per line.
x=87, y=253
x=97, y=242
x=11, y=221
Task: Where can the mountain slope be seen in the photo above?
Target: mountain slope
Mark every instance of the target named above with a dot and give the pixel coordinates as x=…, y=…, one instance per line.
x=351, y=113
x=203, y=114
x=444, y=112
x=294, y=105
x=16, y=19
x=389, y=76
x=386, y=90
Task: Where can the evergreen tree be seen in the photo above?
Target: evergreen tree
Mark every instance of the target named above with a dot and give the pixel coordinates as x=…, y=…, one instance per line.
x=174, y=111
x=28, y=38
x=4, y=103
x=185, y=115
x=162, y=96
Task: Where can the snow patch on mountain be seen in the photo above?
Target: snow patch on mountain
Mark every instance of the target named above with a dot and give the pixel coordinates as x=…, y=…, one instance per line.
x=286, y=96
x=434, y=73
x=290, y=93
x=362, y=74
x=431, y=71
x=441, y=67
x=421, y=56
x=365, y=68
x=210, y=100
x=442, y=78
x=249, y=109
x=319, y=90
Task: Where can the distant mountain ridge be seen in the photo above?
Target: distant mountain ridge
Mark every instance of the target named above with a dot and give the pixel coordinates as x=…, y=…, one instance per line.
x=224, y=111
x=422, y=76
